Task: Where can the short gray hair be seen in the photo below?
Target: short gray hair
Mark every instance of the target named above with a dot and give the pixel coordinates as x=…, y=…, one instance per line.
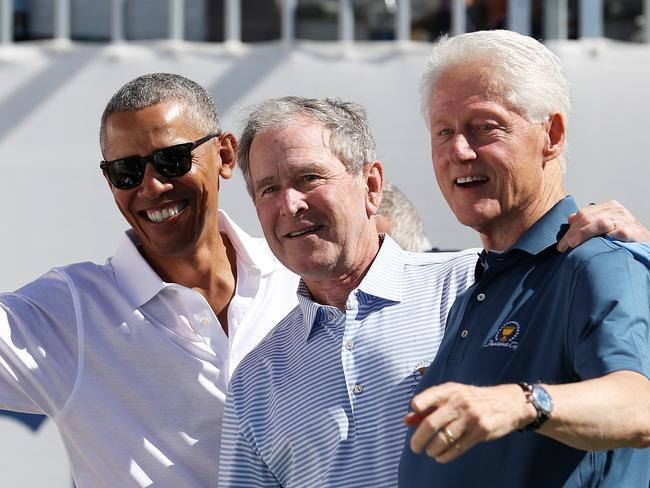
x=533, y=79
x=350, y=139
x=155, y=88
x=406, y=226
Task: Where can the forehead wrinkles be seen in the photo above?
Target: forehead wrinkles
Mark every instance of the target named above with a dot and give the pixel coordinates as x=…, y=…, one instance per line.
x=474, y=77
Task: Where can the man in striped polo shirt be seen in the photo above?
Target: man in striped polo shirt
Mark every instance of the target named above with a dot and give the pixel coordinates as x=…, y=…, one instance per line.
x=320, y=401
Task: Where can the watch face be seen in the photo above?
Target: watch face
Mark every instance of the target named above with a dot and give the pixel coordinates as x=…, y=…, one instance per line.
x=543, y=399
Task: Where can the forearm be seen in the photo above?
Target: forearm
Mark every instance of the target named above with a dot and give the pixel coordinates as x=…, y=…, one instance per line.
x=604, y=413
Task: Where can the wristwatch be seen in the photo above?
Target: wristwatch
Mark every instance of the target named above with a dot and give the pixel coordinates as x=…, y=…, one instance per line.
x=541, y=400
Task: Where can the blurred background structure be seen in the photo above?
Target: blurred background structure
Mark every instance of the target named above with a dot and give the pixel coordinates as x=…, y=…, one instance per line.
x=61, y=60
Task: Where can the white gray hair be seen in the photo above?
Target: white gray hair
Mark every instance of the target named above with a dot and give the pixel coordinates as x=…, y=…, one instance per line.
x=532, y=78
x=350, y=137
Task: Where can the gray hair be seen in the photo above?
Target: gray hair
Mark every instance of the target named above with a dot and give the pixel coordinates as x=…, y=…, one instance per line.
x=532, y=78
x=350, y=137
x=154, y=88
x=406, y=226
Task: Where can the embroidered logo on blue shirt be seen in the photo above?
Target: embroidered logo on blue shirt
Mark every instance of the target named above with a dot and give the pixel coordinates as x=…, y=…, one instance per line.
x=506, y=336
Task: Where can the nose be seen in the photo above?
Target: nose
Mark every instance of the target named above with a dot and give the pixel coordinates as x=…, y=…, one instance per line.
x=293, y=202
x=153, y=185
x=461, y=149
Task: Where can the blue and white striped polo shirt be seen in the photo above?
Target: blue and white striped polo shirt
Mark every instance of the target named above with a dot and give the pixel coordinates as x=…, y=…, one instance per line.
x=320, y=401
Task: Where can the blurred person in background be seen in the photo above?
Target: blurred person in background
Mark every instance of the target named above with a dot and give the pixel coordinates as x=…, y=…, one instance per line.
x=398, y=218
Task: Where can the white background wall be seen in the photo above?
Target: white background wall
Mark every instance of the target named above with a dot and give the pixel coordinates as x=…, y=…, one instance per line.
x=57, y=208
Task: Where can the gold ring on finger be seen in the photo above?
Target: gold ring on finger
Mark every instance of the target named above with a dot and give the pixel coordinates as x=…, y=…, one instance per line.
x=449, y=436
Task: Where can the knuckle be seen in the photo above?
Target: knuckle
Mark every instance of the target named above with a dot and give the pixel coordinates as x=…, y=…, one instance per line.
x=430, y=423
x=482, y=427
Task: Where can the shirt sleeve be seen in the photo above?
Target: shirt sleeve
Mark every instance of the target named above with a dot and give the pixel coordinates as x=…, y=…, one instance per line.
x=38, y=346
x=609, y=321
x=640, y=250
x=240, y=464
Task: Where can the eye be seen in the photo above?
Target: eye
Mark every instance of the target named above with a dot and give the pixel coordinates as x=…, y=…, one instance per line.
x=310, y=177
x=444, y=132
x=485, y=127
x=268, y=190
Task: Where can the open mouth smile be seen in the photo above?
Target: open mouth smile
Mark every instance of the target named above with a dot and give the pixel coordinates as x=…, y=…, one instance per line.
x=470, y=181
x=161, y=214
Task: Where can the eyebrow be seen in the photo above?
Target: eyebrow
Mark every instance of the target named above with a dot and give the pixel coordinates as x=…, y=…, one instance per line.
x=263, y=182
x=293, y=171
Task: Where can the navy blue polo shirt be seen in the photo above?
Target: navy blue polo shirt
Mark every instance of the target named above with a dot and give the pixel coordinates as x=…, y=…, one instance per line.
x=538, y=315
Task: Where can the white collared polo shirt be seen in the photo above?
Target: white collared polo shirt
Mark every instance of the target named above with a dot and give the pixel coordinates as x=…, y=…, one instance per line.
x=134, y=370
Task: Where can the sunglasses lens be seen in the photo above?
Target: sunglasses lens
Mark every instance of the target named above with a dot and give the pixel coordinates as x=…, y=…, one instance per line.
x=126, y=173
x=174, y=160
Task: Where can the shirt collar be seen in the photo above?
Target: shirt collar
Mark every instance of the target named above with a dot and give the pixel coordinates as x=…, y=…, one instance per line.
x=138, y=280
x=383, y=280
x=547, y=230
x=252, y=251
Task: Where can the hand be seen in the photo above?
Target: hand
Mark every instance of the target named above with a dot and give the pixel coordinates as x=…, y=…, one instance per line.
x=452, y=418
x=605, y=218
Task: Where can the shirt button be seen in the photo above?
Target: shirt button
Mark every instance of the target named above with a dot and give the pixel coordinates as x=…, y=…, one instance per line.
x=349, y=345
x=349, y=306
x=480, y=297
x=357, y=389
x=464, y=333
x=205, y=322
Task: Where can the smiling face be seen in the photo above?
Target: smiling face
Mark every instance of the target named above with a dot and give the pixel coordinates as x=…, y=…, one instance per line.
x=171, y=216
x=315, y=215
x=490, y=161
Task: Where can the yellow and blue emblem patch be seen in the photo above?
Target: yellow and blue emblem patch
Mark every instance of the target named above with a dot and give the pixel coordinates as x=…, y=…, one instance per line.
x=506, y=336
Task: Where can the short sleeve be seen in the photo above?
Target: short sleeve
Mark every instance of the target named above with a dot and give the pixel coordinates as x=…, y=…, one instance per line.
x=609, y=321
x=240, y=465
x=38, y=346
x=640, y=251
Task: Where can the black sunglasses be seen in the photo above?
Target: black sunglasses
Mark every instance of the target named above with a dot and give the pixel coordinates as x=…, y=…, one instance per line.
x=169, y=162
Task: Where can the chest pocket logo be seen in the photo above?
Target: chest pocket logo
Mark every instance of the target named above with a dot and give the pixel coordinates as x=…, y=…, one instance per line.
x=506, y=336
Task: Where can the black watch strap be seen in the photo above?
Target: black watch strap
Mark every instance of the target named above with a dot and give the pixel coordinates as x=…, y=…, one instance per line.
x=542, y=414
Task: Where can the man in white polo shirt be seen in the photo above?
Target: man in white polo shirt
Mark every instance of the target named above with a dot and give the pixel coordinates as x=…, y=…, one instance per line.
x=131, y=359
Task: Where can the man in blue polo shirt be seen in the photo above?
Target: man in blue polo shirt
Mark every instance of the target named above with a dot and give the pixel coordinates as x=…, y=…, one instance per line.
x=554, y=344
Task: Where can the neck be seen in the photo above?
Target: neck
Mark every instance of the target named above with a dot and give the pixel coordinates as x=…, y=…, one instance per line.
x=210, y=269
x=335, y=290
x=503, y=232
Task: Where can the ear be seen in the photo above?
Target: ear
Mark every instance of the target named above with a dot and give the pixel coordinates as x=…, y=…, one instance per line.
x=374, y=181
x=555, y=137
x=228, y=154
